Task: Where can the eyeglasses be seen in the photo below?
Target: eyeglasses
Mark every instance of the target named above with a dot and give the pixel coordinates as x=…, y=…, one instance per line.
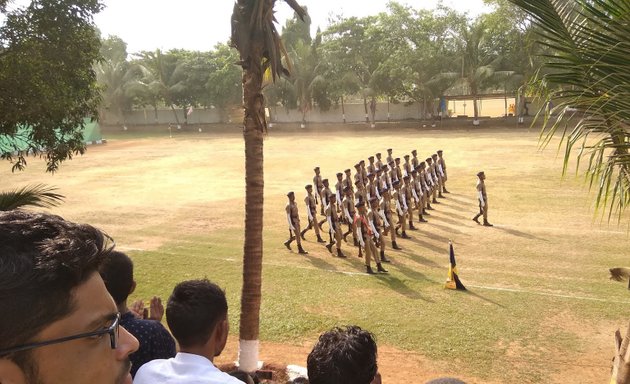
x=113, y=331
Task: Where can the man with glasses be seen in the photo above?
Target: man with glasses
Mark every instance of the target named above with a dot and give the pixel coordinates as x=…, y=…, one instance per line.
x=59, y=324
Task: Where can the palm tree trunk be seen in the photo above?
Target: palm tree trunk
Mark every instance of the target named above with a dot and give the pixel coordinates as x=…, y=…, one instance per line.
x=175, y=114
x=253, y=130
x=343, y=110
x=367, y=119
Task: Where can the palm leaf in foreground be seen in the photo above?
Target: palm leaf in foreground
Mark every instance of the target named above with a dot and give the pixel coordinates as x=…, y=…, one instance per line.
x=588, y=79
x=39, y=195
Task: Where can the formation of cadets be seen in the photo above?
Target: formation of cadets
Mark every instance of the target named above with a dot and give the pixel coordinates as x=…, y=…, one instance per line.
x=380, y=201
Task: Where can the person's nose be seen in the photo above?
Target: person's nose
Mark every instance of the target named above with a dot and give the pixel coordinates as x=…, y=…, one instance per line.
x=127, y=344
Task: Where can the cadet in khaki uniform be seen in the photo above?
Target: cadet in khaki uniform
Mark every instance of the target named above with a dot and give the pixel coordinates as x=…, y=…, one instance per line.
x=406, y=167
x=348, y=211
x=311, y=209
x=389, y=159
x=317, y=183
x=443, y=164
x=293, y=219
x=339, y=190
x=347, y=180
x=401, y=209
x=360, y=193
x=408, y=190
x=358, y=175
x=325, y=194
x=372, y=187
x=364, y=176
x=414, y=159
x=334, y=224
x=365, y=238
x=392, y=175
x=378, y=163
x=371, y=168
x=399, y=174
x=430, y=170
x=428, y=181
x=418, y=195
x=386, y=209
x=375, y=220
x=438, y=173
x=483, y=200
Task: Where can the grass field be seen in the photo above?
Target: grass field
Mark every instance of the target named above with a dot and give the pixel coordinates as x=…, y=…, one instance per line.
x=540, y=307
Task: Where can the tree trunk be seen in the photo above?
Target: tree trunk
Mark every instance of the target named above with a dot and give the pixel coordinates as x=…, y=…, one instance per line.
x=175, y=114
x=254, y=127
x=343, y=110
x=367, y=119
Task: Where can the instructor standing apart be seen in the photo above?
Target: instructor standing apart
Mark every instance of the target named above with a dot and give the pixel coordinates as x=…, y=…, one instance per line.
x=483, y=200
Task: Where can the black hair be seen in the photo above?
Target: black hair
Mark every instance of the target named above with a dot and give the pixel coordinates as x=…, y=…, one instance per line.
x=343, y=356
x=193, y=311
x=43, y=258
x=117, y=273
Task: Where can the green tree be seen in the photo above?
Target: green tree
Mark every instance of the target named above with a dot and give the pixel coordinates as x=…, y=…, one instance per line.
x=47, y=82
x=588, y=81
x=223, y=87
x=255, y=37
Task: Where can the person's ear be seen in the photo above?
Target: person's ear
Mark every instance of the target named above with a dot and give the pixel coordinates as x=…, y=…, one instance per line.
x=221, y=335
x=10, y=373
x=133, y=288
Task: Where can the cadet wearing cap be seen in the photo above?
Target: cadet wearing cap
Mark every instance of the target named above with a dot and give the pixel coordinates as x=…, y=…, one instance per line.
x=348, y=211
x=365, y=234
x=406, y=166
x=311, y=209
x=379, y=162
x=483, y=200
x=439, y=173
x=401, y=209
x=293, y=219
x=371, y=168
x=414, y=159
x=325, y=193
x=387, y=219
x=443, y=165
x=347, y=180
x=334, y=224
x=339, y=189
x=389, y=159
x=375, y=220
x=317, y=183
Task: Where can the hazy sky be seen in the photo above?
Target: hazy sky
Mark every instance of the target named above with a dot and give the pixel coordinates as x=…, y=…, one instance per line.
x=200, y=24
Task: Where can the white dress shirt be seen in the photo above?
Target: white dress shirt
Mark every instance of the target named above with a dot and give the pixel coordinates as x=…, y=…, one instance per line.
x=184, y=368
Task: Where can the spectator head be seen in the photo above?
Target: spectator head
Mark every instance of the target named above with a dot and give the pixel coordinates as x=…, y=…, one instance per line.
x=196, y=314
x=55, y=306
x=343, y=356
x=117, y=274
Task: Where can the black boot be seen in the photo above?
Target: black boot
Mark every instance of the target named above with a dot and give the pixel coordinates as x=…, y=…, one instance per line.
x=379, y=267
x=329, y=247
x=424, y=212
x=288, y=243
x=369, y=270
x=319, y=239
x=302, y=233
x=445, y=191
x=440, y=196
x=487, y=224
x=301, y=250
x=476, y=219
x=383, y=258
x=435, y=201
x=421, y=219
x=404, y=235
x=339, y=253
x=429, y=207
x=411, y=227
x=395, y=246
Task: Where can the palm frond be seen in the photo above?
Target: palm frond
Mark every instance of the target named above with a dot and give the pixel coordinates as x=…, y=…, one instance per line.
x=588, y=80
x=39, y=195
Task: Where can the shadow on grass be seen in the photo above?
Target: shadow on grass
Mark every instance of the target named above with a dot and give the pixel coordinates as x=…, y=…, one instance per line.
x=456, y=199
x=414, y=239
x=469, y=292
x=445, y=228
x=418, y=259
x=518, y=233
x=397, y=285
x=319, y=262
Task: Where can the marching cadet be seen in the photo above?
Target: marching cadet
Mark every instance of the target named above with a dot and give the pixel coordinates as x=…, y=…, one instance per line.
x=293, y=220
x=317, y=183
x=358, y=175
x=365, y=239
x=334, y=224
x=387, y=217
x=399, y=175
x=429, y=184
x=438, y=173
x=390, y=158
x=348, y=211
x=325, y=194
x=408, y=191
x=347, y=181
x=371, y=168
x=406, y=167
x=443, y=165
x=372, y=187
x=401, y=209
x=375, y=220
x=432, y=181
x=379, y=162
x=414, y=159
x=364, y=176
x=425, y=188
x=360, y=193
x=418, y=196
x=436, y=182
x=339, y=189
x=392, y=175
x=381, y=178
x=311, y=210
x=483, y=200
